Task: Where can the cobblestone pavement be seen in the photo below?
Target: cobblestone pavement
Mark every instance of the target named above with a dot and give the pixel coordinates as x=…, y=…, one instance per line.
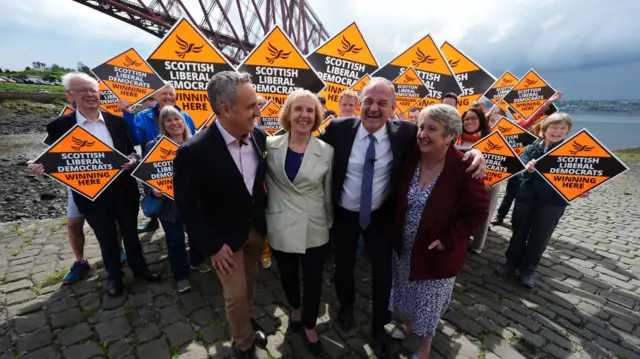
x=586, y=303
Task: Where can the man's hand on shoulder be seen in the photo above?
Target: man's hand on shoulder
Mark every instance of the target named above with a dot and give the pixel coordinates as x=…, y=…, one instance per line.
x=477, y=164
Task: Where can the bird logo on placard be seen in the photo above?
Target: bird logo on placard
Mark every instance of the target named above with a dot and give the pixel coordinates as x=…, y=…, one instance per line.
x=186, y=47
x=492, y=146
x=408, y=78
x=276, y=54
x=166, y=153
x=577, y=148
x=506, y=82
x=271, y=112
x=504, y=130
x=422, y=58
x=453, y=63
x=128, y=62
x=528, y=83
x=348, y=47
x=79, y=144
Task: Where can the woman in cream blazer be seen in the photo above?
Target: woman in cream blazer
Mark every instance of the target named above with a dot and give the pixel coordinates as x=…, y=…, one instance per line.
x=299, y=211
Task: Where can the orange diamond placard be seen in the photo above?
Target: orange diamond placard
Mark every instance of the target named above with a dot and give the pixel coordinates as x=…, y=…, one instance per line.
x=108, y=100
x=579, y=164
x=129, y=77
x=187, y=59
x=472, y=77
x=529, y=94
x=278, y=68
x=517, y=137
x=409, y=90
x=156, y=168
x=270, y=117
x=82, y=162
x=432, y=67
x=501, y=87
x=502, y=162
x=341, y=62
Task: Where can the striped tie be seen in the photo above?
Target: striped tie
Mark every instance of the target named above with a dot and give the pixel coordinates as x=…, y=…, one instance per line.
x=367, y=183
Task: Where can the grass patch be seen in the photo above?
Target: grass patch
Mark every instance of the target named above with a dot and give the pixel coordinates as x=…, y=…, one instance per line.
x=53, y=279
x=558, y=246
x=30, y=88
x=105, y=348
x=516, y=338
x=27, y=240
x=16, y=227
x=174, y=351
x=2, y=279
x=200, y=336
x=15, y=253
x=481, y=355
x=629, y=154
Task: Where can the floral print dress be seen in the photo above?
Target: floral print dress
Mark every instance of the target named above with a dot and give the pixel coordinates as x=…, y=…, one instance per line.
x=424, y=301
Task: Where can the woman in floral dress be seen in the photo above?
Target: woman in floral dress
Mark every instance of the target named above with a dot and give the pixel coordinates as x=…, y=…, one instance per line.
x=439, y=206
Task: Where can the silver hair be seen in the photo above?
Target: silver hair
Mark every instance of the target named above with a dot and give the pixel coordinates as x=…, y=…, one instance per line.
x=375, y=80
x=554, y=119
x=69, y=77
x=223, y=86
x=446, y=115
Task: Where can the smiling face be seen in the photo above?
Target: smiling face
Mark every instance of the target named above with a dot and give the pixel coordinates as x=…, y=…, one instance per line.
x=347, y=106
x=471, y=122
x=174, y=127
x=431, y=137
x=84, y=94
x=303, y=112
x=377, y=105
x=241, y=116
x=556, y=132
x=166, y=96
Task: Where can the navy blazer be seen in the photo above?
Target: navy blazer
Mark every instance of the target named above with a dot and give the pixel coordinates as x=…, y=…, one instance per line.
x=212, y=197
x=341, y=134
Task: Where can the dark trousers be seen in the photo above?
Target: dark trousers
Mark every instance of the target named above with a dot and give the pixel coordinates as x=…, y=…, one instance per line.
x=532, y=227
x=513, y=184
x=377, y=239
x=312, y=267
x=102, y=218
x=177, y=251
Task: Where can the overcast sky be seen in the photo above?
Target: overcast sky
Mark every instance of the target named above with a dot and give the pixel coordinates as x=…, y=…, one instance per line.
x=588, y=49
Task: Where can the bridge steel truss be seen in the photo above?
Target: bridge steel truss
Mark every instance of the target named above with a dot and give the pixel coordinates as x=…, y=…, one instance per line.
x=233, y=26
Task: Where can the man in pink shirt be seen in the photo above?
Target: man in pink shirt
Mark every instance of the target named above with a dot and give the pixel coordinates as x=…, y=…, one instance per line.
x=219, y=188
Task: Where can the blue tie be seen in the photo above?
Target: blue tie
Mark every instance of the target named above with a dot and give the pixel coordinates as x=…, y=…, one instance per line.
x=367, y=183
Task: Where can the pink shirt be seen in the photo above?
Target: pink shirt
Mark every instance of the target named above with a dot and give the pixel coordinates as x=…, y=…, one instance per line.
x=243, y=155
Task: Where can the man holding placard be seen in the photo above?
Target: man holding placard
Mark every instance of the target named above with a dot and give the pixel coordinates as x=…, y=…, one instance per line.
x=118, y=202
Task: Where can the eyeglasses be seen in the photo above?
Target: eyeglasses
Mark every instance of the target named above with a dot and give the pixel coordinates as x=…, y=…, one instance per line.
x=470, y=119
x=83, y=91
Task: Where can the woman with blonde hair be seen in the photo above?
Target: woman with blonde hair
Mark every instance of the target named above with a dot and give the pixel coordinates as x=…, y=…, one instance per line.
x=172, y=125
x=299, y=211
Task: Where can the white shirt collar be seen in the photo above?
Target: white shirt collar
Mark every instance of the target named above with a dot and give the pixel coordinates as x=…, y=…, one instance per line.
x=379, y=135
x=81, y=119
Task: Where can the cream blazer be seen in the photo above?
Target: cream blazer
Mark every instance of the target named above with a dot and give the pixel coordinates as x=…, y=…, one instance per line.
x=299, y=214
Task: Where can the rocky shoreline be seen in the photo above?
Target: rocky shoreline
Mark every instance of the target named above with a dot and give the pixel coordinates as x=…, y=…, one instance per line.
x=22, y=194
